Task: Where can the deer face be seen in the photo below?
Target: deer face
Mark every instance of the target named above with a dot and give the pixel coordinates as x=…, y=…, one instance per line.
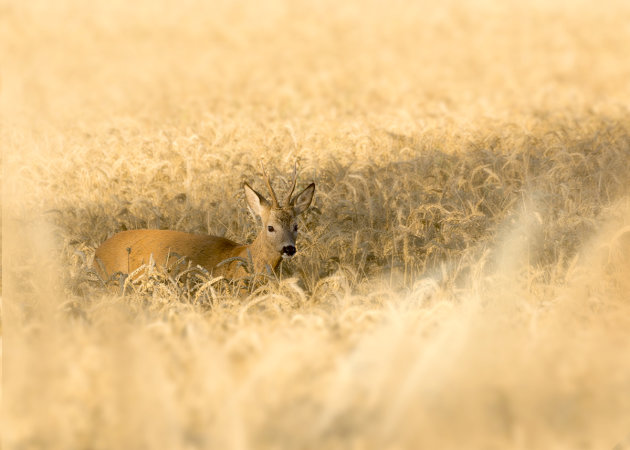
x=281, y=230
x=280, y=226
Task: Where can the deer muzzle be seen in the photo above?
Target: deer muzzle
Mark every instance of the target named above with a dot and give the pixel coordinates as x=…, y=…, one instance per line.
x=288, y=251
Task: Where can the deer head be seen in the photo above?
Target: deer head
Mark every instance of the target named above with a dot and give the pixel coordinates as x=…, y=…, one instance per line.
x=279, y=220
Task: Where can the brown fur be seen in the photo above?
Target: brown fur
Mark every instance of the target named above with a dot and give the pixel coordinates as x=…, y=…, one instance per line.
x=128, y=250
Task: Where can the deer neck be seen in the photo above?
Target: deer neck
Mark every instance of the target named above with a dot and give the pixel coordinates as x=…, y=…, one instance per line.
x=263, y=254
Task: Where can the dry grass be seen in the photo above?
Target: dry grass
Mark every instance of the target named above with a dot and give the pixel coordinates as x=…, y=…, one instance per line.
x=462, y=280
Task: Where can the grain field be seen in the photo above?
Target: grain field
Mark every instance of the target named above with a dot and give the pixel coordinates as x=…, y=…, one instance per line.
x=462, y=278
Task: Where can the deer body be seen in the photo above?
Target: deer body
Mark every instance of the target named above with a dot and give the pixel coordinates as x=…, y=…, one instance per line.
x=126, y=251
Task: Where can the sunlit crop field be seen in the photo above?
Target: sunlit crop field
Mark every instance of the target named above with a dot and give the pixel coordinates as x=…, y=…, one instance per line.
x=462, y=277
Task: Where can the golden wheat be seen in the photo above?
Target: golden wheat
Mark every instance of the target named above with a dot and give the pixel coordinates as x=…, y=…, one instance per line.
x=462, y=280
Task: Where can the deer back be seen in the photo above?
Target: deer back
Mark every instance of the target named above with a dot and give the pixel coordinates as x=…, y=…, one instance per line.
x=126, y=251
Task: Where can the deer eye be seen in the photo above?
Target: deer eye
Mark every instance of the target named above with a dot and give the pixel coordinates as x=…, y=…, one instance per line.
x=270, y=229
x=295, y=227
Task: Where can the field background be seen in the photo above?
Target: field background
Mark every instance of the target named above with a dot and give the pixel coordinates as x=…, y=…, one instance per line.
x=462, y=277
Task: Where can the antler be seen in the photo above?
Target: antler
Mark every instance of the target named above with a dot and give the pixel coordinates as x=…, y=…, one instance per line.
x=274, y=199
x=287, y=201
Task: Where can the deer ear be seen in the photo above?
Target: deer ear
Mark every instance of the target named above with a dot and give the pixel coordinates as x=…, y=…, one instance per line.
x=303, y=200
x=256, y=202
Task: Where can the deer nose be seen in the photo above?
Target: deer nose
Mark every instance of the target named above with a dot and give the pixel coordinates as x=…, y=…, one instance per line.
x=288, y=250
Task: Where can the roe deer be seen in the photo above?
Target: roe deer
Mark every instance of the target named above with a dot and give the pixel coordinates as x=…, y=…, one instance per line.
x=126, y=251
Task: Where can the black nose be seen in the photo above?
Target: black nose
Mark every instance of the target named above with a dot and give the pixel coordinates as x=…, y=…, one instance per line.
x=288, y=250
